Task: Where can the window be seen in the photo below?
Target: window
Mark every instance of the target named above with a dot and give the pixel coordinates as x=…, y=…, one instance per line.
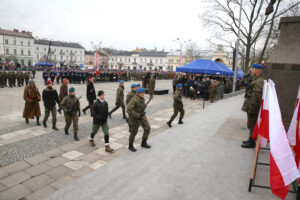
x=112, y=59
x=44, y=49
x=150, y=60
x=29, y=43
x=80, y=58
x=15, y=42
x=37, y=56
x=29, y=53
x=160, y=61
x=54, y=57
x=21, y=43
x=128, y=59
x=29, y=62
x=15, y=51
x=22, y=61
x=67, y=57
x=120, y=59
x=54, y=50
x=7, y=51
x=125, y=59
x=6, y=41
x=22, y=52
x=37, y=48
x=171, y=60
x=61, y=57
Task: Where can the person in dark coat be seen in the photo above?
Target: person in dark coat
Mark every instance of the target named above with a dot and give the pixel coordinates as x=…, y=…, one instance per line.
x=52, y=76
x=45, y=76
x=90, y=94
x=99, y=111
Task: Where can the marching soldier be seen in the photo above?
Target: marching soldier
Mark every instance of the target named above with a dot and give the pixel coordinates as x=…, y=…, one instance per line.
x=90, y=94
x=151, y=86
x=137, y=117
x=253, y=101
x=177, y=105
x=131, y=94
x=50, y=98
x=71, y=106
x=119, y=101
x=99, y=112
x=45, y=76
x=32, y=107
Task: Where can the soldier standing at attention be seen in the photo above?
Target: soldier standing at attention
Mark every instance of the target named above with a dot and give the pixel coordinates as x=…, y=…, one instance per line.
x=52, y=76
x=50, y=98
x=177, y=105
x=99, y=112
x=45, y=76
x=131, y=94
x=32, y=97
x=90, y=94
x=71, y=106
x=63, y=92
x=137, y=117
x=119, y=101
x=253, y=101
x=151, y=86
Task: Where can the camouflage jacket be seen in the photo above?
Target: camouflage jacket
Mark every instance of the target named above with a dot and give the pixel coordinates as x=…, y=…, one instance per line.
x=253, y=101
x=70, y=104
x=120, y=96
x=136, y=106
x=129, y=96
x=177, y=97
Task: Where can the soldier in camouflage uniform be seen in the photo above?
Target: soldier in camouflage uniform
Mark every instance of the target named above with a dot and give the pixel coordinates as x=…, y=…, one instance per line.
x=137, y=117
x=131, y=94
x=18, y=77
x=247, y=80
x=5, y=77
x=253, y=101
x=71, y=106
x=177, y=105
x=119, y=101
x=14, y=78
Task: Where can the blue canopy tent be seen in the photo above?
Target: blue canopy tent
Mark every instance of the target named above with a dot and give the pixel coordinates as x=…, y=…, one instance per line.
x=205, y=66
x=240, y=74
x=229, y=71
x=43, y=63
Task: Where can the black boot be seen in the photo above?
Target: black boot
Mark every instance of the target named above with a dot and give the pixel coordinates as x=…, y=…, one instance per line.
x=131, y=148
x=180, y=121
x=246, y=141
x=145, y=145
x=126, y=119
x=26, y=121
x=250, y=144
x=76, y=137
x=84, y=110
x=66, y=132
x=38, y=121
x=169, y=124
x=44, y=124
x=54, y=127
x=109, y=114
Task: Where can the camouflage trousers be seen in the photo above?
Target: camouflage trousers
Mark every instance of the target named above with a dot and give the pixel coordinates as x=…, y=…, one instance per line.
x=53, y=113
x=134, y=124
x=69, y=119
x=251, y=123
x=175, y=113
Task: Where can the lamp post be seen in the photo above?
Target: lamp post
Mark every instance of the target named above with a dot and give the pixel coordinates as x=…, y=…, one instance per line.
x=181, y=45
x=237, y=44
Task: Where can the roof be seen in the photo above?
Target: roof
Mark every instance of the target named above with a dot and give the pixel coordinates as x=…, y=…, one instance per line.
x=58, y=43
x=153, y=54
x=174, y=53
x=92, y=53
x=16, y=33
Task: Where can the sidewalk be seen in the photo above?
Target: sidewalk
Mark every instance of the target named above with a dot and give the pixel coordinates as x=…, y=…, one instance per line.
x=201, y=159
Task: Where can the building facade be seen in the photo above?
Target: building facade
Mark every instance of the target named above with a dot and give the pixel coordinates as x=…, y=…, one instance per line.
x=89, y=59
x=173, y=60
x=16, y=47
x=59, y=53
x=147, y=60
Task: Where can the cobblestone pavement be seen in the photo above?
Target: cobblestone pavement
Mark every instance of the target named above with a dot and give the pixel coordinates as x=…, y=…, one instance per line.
x=37, y=161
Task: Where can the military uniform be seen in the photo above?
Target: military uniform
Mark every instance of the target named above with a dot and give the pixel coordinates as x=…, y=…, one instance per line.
x=252, y=103
x=178, y=107
x=151, y=86
x=136, y=112
x=119, y=102
x=27, y=76
x=129, y=96
x=71, y=106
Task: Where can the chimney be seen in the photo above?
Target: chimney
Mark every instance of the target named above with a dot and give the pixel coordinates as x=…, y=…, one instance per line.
x=29, y=33
x=16, y=30
x=23, y=32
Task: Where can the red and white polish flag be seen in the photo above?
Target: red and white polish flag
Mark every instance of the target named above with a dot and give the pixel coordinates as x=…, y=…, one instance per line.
x=294, y=131
x=283, y=169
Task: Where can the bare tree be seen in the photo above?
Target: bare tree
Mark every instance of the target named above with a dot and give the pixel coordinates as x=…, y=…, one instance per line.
x=192, y=52
x=224, y=18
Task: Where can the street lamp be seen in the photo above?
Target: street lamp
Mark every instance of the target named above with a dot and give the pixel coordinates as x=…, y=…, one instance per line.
x=181, y=45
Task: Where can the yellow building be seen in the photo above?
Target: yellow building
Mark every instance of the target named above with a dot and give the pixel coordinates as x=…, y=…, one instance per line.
x=173, y=60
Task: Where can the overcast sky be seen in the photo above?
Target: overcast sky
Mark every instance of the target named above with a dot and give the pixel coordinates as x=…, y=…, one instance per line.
x=122, y=24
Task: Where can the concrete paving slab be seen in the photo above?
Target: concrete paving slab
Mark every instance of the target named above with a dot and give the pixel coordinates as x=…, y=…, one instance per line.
x=16, y=192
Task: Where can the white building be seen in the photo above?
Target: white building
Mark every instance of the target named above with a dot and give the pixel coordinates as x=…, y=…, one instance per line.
x=130, y=60
x=16, y=47
x=60, y=53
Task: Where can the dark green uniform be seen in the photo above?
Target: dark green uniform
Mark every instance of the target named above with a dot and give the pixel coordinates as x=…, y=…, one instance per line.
x=10, y=79
x=253, y=101
x=119, y=101
x=135, y=107
x=19, y=79
x=5, y=77
x=129, y=96
x=177, y=105
x=27, y=76
x=71, y=106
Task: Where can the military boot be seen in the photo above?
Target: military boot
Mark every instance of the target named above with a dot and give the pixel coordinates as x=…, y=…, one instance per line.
x=109, y=114
x=76, y=136
x=125, y=117
x=246, y=141
x=250, y=144
x=92, y=143
x=26, y=121
x=44, y=124
x=180, y=121
x=169, y=124
x=54, y=127
x=66, y=132
x=38, y=121
x=145, y=144
x=108, y=149
x=131, y=147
